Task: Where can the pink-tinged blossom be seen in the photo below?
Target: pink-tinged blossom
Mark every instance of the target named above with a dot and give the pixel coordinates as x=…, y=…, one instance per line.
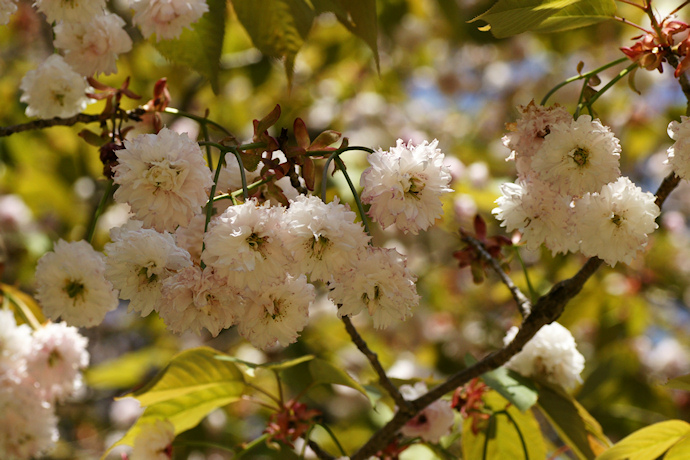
x=15, y=344
x=164, y=179
x=578, y=157
x=539, y=213
x=528, y=133
x=324, y=238
x=277, y=313
x=69, y=10
x=93, y=47
x=191, y=237
x=381, y=283
x=28, y=425
x=7, y=9
x=167, y=18
x=54, y=89
x=404, y=186
x=245, y=244
x=679, y=152
x=71, y=284
x=193, y=299
x=551, y=355
x=614, y=224
x=139, y=261
x=58, y=354
x=154, y=441
x=433, y=422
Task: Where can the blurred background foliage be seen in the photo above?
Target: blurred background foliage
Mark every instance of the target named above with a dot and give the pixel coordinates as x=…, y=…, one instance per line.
x=442, y=78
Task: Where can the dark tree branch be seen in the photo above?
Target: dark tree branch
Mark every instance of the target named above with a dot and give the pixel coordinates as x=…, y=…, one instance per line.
x=523, y=303
x=134, y=114
x=404, y=406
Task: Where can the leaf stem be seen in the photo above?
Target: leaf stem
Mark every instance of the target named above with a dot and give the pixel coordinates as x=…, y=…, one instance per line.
x=519, y=432
x=580, y=77
x=532, y=291
x=99, y=210
x=197, y=118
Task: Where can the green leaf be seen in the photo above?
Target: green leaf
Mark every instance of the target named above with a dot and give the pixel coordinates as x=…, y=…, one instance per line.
x=680, y=450
x=515, y=388
x=359, y=17
x=512, y=17
x=192, y=384
x=277, y=366
x=649, y=442
x=126, y=370
x=509, y=435
x=324, y=372
x=200, y=48
x=277, y=28
x=193, y=371
x=572, y=422
x=680, y=383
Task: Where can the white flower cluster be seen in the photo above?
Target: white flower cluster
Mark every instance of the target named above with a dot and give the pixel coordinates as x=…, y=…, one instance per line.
x=403, y=186
x=91, y=39
x=679, y=152
x=569, y=194
x=256, y=267
x=551, y=354
x=37, y=369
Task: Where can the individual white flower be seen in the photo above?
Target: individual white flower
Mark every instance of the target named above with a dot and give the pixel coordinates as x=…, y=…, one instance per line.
x=551, y=354
x=245, y=243
x=192, y=299
x=167, y=18
x=93, y=47
x=679, y=152
x=28, y=426
x=71, y=284
x=404, y=186
x=139, y=261
x=15, y=344
x=164, y=179
x=54, y=90
x=613, y=224
x=191, y=237
x=324, y=238
x=578, y=157
x=380, y=282
x=69, y=10
x=528, y=133
x=58, y=354
x=7, y=9
x=277, y=313
x=433, y=422
x=540, y=214
x=154, y=441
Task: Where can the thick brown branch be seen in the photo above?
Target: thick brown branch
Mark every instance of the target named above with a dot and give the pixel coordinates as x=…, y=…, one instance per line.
x=403, y=405
x=70, y=121
x=523, y=303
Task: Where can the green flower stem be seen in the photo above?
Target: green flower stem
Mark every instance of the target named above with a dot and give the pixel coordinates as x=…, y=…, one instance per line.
x=532, y=293
x=239, y=453
x=209, y=158
x=333, y=437
x=580, y=101
x=581, y=76
x=99, y=210
x=22, y=309
x=201, y=120
x=517, y=428
x=335, y=156
x=234, y=150
x=237, y=193
x=489, y=429
x=613, y=81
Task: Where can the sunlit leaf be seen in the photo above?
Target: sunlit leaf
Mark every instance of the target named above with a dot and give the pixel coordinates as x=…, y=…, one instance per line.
x=200, y=48
x=516, y=389
x=516, y=436
x=192, y=371
x=512, y=17
x=324, y=372
x=649, y=442
x=277, y=366
x=578, y=429
x=680, y=450
x=277, y=28
x=127, y=370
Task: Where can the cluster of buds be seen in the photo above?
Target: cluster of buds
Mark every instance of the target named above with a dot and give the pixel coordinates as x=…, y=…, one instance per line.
x=468, y=400
x=653, y=48
x=291, y=422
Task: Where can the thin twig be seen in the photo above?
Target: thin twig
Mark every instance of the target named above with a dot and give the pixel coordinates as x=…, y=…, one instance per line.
x=134, y=114
x=384, y=381
x=523, y=303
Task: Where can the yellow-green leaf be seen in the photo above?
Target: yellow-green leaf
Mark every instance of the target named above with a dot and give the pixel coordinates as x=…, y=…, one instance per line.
x=193, y=371
x=511, y=433
x=200, y=48
x=127, y=370
x=680, y=383
x=512, y=386
x=359, y=17
x=512, y=17
x=649, y=442
x=680, y=450
x=324, y=372
x=277, y=366
x=277, y=28
x=576, y=427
